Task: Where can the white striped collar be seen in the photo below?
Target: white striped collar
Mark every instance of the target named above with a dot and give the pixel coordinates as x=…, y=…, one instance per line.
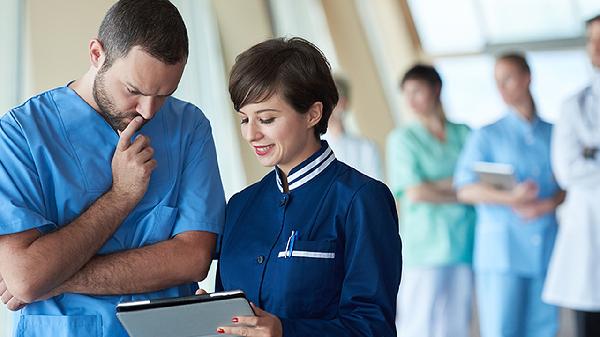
x=309, y=169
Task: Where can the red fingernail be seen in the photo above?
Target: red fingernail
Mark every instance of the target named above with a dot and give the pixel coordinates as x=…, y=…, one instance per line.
x=234, y=320
x=220, y=330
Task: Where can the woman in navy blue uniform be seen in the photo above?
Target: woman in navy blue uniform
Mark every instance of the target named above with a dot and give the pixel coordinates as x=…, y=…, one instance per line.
x=315, y=243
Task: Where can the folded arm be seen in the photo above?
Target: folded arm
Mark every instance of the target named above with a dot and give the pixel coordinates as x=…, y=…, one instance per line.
x=183, y=259
x=32, y=264
x=436, y=191
x=571, y=166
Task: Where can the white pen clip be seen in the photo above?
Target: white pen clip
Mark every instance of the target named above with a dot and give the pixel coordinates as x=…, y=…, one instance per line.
x=287, y=245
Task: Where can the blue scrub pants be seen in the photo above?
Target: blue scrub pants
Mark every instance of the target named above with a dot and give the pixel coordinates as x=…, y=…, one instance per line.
x=510, y=305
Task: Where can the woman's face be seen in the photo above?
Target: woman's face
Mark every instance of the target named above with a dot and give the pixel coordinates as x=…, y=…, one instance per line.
x=278, y=134
x=512, y=82
x=421, y=97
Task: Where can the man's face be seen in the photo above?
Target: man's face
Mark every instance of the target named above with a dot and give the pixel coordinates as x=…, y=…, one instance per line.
x=134, y=85
x=593, y=42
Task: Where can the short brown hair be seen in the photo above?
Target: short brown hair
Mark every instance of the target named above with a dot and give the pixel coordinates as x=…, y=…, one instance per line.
x=589, y=21
x=422, y=72
x=294, y=68
x=154, y=25
x=517, y=59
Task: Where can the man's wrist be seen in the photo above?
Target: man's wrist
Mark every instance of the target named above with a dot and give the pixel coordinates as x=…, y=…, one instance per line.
x=117, y=200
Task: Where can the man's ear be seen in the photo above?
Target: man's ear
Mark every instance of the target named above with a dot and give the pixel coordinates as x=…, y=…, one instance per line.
x=97, y=54
x=314, y=114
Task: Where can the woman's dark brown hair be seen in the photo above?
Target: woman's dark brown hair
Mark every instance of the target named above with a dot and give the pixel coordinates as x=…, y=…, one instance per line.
x=293, y=68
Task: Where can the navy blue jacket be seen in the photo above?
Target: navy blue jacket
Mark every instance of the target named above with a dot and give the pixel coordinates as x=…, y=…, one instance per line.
x=324, y=257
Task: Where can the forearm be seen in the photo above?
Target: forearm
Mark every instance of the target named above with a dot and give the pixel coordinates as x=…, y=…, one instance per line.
x=480, y=193
x=42, y=262
x=571, y=166
x=166, y=264
x=550, y=204
x=437, y=191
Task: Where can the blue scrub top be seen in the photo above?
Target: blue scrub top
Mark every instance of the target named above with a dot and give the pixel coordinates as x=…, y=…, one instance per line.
x=504, y=242
x=55, y=161
x=340, y=275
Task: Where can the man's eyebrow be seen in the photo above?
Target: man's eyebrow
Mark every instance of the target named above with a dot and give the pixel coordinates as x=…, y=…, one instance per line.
x=135, y=90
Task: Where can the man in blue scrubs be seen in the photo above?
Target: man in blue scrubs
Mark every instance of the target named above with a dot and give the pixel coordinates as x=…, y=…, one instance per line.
x=109, y=187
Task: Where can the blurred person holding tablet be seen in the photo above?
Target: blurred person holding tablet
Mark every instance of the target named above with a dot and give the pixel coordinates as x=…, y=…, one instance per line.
x=515, y=228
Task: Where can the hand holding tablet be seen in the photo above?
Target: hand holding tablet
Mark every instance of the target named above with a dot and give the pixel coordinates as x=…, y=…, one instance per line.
x=192, y=316
x=500, y=176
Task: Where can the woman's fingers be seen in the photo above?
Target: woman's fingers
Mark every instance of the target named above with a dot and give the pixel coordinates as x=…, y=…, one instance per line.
x=238, y=331
x=246, y=320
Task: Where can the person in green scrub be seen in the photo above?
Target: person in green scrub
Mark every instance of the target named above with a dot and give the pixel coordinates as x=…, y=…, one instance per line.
x=434, y=298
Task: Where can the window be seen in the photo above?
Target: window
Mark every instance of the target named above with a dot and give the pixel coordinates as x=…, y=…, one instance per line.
x=463, y=37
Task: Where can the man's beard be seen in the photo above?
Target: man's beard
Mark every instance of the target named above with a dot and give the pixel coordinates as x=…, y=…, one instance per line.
x=118, y=120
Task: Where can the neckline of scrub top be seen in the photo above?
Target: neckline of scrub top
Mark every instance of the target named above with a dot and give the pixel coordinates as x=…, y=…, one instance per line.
x=80, y=116
x=519, y=121
x=447, y=130
x=308, y=169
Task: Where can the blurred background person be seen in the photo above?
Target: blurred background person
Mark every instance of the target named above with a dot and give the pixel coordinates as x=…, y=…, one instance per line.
x=515, y=228
x=435, y=294
x=357, y=152
x=574, y=274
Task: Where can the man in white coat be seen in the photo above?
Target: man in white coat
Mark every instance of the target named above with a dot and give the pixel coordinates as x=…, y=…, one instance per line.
x=357, y=152
x=573, y=279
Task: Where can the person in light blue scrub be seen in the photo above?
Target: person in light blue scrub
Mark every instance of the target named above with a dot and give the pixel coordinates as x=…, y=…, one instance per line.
x=516, y=228
x=109, y=187
x=315, y=243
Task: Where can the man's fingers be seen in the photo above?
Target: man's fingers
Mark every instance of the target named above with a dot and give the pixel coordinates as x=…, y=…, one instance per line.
x=14, y=304
x=130, y=130
x=150, y=166
x=140, y=143
x=3, y=287
x=6, y=296
x=145, y=155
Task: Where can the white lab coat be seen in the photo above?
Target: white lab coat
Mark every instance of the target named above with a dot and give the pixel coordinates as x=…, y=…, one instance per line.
x=359, y=153
x=573, y=279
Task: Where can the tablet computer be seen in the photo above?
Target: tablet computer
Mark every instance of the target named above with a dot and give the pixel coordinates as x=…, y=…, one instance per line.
x=501, y=176
x=191, y=316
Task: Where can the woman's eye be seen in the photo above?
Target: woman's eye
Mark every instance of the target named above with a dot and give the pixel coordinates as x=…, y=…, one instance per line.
x=244, y=121
x=267, y=121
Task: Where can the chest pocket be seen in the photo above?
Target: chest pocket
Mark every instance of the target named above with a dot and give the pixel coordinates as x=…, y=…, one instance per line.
x=72, y=326
x=156, y=226
x=309, y=276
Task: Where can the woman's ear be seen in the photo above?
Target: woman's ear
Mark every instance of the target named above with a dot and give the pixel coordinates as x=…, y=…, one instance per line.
x=314, y=114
